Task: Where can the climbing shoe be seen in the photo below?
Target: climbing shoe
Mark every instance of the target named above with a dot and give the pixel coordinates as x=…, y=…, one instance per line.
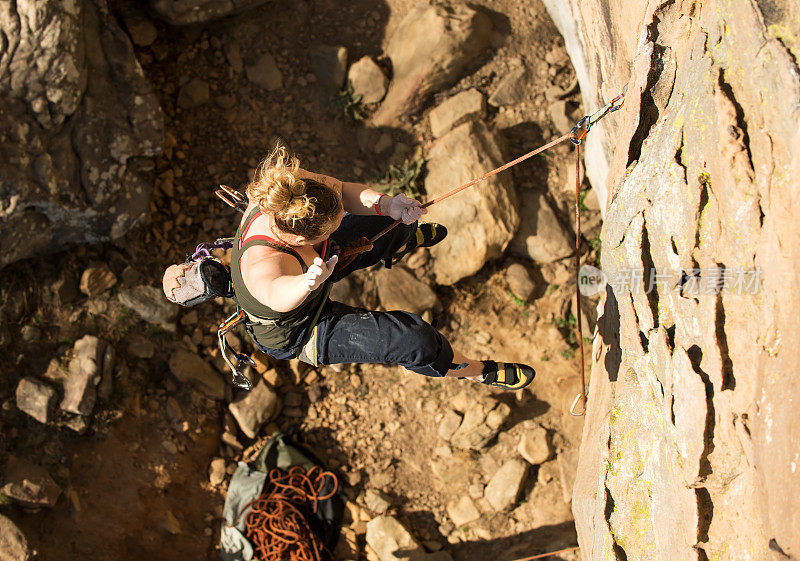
x=426, y=235
x=507, y=375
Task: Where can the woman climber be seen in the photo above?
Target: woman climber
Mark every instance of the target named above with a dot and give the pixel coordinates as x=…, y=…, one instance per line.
x=285, y=259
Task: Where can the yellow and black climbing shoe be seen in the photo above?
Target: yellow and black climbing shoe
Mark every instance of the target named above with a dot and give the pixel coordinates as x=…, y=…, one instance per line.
x=426, y=235
x=507, y=375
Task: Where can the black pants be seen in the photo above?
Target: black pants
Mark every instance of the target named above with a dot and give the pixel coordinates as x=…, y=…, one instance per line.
x=346, y=334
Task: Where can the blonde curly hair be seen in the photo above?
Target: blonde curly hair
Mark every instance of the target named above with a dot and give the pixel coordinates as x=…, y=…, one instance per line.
x=304, y=207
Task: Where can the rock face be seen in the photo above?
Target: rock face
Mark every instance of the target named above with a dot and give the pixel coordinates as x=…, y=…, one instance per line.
x=189, y=12
x=482, y=219
x=689, y=449
x=79, y=126
x=428, y=49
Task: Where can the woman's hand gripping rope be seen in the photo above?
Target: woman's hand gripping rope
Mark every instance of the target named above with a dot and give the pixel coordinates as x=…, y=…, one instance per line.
x=405, y=209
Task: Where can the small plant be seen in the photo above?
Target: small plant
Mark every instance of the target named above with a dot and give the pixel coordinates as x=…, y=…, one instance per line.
x=516, y=299
x=566, y=323
x=404, y=178
x=5, y=501
x=581, y=204
x=567, y=353
x=545, y=358
x=596, y=244
x=552, y=288
x=346, y=106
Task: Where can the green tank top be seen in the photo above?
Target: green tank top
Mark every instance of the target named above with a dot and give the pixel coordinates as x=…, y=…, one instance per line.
x=275, y=330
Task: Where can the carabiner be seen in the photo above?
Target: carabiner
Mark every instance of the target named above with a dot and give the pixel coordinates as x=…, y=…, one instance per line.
x=232, y=198
x=578, y=397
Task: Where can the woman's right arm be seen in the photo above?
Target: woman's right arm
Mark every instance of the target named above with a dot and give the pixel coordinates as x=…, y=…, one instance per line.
x=286, y=290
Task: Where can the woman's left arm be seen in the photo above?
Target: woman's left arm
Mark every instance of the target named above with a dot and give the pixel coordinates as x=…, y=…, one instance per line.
x=357, y=198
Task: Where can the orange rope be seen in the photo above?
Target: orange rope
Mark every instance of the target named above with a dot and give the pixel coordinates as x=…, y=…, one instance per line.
x=278, y=522
x=581, y=396
x=541, y=555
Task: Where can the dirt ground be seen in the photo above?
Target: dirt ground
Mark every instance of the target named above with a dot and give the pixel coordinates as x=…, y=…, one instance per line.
x=136, y=482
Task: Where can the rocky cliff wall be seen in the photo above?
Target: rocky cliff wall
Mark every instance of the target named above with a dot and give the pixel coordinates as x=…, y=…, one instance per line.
x=79, y=124
x=691, y=442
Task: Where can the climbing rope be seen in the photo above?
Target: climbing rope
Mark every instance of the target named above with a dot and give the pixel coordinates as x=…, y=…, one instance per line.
x=278, y=522
x=543, y=555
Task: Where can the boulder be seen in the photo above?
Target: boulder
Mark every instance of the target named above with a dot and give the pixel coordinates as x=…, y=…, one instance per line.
x=80, y=124
x=29, y=485
x=519, y=281
x=96, y=280
x=192, y=12
x=265, y=73
x=216, y=471
x=149, y=303
x=36, y=398
x=255, y=408
x=462, y=511
x=142, y=31
x=399, y=289
x=541, y=235
x=368, y=80
x=377, y=501
x=533, y=445
x=429, y=49
x=84, y=373
x=193, y=370
x=13, y=545
x=482, y=219
x=503, y=489
x=193, y=93
x=512, y=88
x=482, y=422
x=455, y=110
x=391, y=541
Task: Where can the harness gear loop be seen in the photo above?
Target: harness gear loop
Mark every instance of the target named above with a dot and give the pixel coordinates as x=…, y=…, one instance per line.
x=238, y=378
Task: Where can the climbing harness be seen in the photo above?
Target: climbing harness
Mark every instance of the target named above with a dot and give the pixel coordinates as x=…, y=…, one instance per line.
x=237, y=201
x=278, y=522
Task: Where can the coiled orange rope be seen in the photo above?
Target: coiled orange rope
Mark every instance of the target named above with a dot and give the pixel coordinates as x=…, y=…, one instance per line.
x=278, y=522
